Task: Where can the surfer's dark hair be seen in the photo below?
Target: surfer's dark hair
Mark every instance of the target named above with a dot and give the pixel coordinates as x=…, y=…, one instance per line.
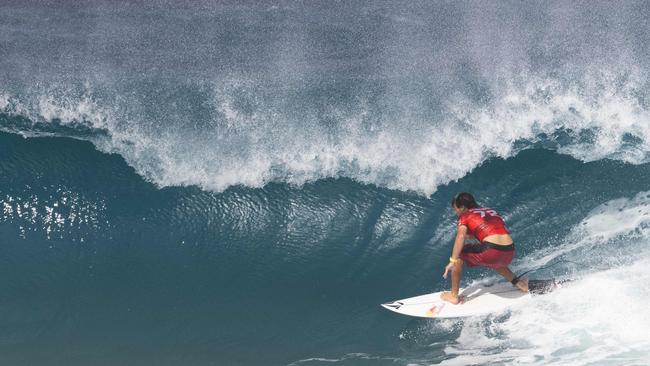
x=464, y=199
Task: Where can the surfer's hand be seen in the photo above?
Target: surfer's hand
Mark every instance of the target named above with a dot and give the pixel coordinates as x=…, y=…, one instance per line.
x=449, y=267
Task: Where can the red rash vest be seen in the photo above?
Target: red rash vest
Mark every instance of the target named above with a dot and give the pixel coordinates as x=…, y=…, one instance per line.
x=482, y=222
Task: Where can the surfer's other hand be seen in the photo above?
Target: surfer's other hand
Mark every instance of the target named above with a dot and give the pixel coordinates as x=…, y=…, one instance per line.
x=449, y=267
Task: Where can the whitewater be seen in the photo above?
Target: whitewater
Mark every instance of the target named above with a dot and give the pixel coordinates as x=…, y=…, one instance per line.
x=227, y=183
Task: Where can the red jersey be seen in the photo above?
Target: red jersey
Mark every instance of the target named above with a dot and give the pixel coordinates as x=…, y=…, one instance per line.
x=482, y=222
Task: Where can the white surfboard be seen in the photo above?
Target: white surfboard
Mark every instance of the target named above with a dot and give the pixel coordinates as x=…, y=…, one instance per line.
x=479, y=299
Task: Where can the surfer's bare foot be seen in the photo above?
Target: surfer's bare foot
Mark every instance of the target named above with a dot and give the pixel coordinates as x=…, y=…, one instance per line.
x=522, y=284
x=449, y=297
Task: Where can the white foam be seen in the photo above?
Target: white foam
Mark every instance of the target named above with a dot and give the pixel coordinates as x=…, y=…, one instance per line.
x=618, y=217
x=434, y=153
x=614, y=226
x=603, y=318
x=83, y=110
x=4, y=102
x=252, y=138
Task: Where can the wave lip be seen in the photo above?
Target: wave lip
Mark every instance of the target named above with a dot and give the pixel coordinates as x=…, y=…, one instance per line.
x=246, y=136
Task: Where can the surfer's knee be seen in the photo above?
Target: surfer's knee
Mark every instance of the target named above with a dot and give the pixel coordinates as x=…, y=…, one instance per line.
x=506, y=273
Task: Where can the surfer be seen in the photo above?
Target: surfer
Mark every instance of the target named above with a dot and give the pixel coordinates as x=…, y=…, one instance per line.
x=494, y=249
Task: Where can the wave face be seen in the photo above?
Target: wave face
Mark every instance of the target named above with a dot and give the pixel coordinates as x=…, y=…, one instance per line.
x=108, y=269
x=237, y=183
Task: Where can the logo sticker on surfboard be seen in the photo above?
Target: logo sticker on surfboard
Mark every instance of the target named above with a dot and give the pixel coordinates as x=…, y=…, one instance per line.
x=435, y=310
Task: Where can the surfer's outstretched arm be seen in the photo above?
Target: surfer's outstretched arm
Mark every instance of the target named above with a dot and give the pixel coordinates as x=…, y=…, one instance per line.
x=455, y=266
x=458, y=247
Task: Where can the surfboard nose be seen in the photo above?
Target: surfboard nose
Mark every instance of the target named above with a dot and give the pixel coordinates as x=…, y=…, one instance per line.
x=392, y=305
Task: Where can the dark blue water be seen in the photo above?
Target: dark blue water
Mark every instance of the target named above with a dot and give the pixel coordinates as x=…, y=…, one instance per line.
x=244, y=183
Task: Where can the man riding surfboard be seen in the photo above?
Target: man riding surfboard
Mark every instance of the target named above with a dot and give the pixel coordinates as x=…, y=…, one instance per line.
x=495, y=248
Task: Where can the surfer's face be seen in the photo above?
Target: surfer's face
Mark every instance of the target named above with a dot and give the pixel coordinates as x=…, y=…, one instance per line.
x=458, y=210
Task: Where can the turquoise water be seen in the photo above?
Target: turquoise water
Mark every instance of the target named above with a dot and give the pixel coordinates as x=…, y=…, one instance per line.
x=244, y=184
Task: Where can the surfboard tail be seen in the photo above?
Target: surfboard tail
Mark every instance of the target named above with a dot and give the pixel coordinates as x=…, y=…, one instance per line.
x=540, y=287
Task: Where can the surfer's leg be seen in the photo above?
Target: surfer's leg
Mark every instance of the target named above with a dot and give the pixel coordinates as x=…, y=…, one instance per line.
x=522, y=284
x=456, y=274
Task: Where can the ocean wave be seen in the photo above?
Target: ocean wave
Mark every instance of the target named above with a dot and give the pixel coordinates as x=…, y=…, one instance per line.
x=249, y=134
